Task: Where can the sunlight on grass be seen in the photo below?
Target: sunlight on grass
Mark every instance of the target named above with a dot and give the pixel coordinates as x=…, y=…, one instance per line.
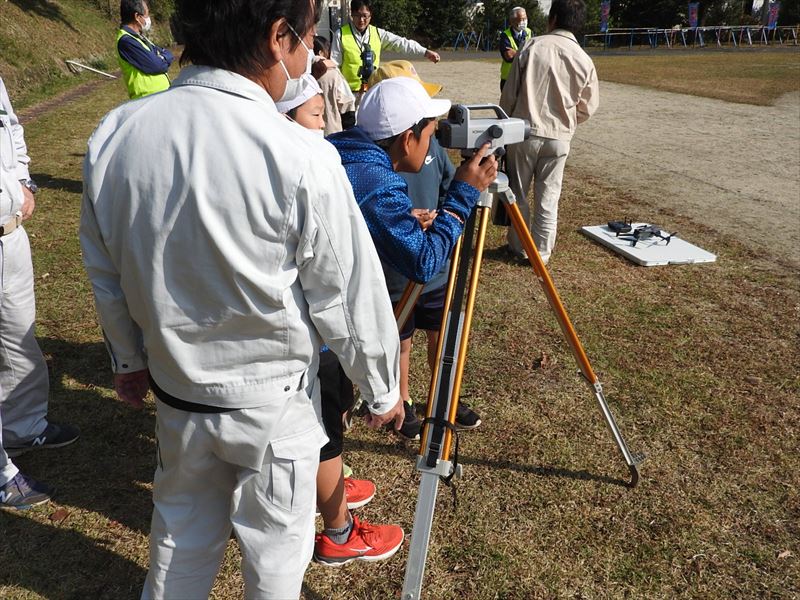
x=747, y=76
x=699, y=364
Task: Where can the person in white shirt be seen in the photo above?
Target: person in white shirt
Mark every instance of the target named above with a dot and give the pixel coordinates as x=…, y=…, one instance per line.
x=24, y=382
x=553, y=84
x=354, y=42
x=224, y=246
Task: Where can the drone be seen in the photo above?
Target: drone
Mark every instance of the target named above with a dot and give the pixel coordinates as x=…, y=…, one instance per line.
x=624, y=229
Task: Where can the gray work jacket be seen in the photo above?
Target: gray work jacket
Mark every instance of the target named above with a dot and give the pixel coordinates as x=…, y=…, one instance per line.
x=13, y=158
x=223, y=244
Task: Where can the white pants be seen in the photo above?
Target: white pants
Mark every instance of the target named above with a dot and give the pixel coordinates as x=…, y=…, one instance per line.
x=24, y=384
x=541, y=160
x=8, y=469
x=253, y=470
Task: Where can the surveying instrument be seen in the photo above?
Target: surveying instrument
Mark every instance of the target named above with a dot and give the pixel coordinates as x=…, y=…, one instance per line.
x=462, y=130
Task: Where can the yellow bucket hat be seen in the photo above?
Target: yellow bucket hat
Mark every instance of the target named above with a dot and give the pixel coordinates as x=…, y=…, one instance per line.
x=402, y=68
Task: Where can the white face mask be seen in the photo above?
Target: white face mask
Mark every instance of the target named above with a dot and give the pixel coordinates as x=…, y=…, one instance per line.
x=319, y=132
x=295, y=86
x=522, y=25
x=148, y=23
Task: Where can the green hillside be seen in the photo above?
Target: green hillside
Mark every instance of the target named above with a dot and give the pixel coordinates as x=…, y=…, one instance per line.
x=36, y=36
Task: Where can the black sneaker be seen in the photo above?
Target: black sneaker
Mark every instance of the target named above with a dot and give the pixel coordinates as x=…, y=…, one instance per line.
x=23, y=492
x=411, y=424
x=466, y=418
x=53, y=436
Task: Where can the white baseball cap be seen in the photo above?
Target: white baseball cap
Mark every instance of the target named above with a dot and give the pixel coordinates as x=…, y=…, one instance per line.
x=395, y=105
x=310, y=89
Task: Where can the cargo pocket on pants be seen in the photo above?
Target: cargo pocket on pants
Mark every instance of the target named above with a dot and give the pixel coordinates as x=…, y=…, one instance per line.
x=293, y=470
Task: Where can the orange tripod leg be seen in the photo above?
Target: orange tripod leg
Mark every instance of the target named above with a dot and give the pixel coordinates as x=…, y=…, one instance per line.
x=574, y=343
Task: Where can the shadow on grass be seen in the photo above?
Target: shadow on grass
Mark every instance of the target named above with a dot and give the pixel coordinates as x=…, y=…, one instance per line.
x=49, y=182
x=309, y=594
x=544, y=471
x=539, y=470
x=57, y=562
x=108, y=470
x=45, y=9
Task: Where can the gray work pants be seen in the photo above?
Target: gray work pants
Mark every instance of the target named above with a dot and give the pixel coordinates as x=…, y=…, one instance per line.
x=8, y=469
x=24, y=384
x=542, y=161
x=251, y=470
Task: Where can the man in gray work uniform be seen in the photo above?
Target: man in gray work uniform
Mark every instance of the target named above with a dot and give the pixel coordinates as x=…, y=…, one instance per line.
x=24, y=385
x=224, y=247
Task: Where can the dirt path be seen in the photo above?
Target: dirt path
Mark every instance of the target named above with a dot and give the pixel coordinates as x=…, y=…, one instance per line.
x=732, y=167
x=31, y=113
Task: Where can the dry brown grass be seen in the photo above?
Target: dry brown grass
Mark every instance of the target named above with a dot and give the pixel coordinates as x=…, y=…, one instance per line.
x=747, y=76
x=699, y=363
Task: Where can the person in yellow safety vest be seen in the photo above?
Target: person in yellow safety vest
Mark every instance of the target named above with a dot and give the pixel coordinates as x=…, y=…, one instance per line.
x=350, y=44
x=144, y=65
x=512, y=40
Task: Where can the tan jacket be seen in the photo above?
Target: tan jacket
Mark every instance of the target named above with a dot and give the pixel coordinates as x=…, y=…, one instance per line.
x=553, y=84
x=338, y=99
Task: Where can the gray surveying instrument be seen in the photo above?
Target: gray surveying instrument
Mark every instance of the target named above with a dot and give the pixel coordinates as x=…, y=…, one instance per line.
x=462, y=131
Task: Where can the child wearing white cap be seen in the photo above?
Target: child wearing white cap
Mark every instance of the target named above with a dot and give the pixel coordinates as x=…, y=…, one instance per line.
x=394, y=125
x=427, y=189
x=307, y=107
x=337, y=494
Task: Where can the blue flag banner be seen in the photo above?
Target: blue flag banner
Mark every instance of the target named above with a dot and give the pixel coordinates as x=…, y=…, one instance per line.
x=774, y=10
x=694, y=9
x=605, y=11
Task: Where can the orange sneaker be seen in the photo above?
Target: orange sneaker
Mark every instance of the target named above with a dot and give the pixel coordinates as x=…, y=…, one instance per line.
x=358, y=492
x=366, y=542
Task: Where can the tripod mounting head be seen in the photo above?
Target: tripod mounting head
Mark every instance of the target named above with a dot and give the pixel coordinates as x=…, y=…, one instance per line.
x=462, y=130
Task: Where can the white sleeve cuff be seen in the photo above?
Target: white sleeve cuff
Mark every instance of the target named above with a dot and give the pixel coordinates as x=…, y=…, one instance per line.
x=22, y=172
x=383, y=404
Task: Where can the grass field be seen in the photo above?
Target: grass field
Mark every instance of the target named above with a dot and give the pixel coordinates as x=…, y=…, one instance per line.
x=749, y=76
x=36, y=36
x=699, y=363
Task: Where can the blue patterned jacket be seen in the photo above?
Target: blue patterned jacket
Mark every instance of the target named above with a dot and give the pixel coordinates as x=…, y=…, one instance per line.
x=383, y=198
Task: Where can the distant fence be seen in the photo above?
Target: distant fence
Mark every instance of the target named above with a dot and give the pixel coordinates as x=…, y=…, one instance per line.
x=716, y=36
x=471, y=38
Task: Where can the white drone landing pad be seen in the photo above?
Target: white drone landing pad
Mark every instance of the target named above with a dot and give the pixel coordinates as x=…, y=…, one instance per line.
x=650, y=252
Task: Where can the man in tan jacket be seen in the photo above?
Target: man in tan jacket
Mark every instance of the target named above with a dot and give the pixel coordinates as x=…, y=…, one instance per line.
x=552, y=84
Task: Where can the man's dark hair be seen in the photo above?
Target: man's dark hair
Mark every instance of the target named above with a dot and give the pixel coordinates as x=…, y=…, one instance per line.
x=568, y=14
x=128, y=10
x=231, y=34
x=322, y=44
x=416, y=129
x=356, y=5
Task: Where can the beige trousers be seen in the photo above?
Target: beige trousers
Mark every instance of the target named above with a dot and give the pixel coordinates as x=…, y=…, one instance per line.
x=542, y=161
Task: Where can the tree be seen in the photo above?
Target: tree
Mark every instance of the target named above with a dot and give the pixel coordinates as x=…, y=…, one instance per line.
x=790, y=12
x=722, y=12
x=593, y=17
x=647, y=13
x=440, y=21
x=397, y=16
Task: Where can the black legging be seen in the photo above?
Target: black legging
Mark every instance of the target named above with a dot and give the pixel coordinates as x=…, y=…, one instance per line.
x=336, y=391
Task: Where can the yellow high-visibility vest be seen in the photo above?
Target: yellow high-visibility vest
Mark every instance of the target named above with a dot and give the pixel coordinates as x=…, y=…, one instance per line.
x=351, y=54
x=138, y=83
x=505, y=67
